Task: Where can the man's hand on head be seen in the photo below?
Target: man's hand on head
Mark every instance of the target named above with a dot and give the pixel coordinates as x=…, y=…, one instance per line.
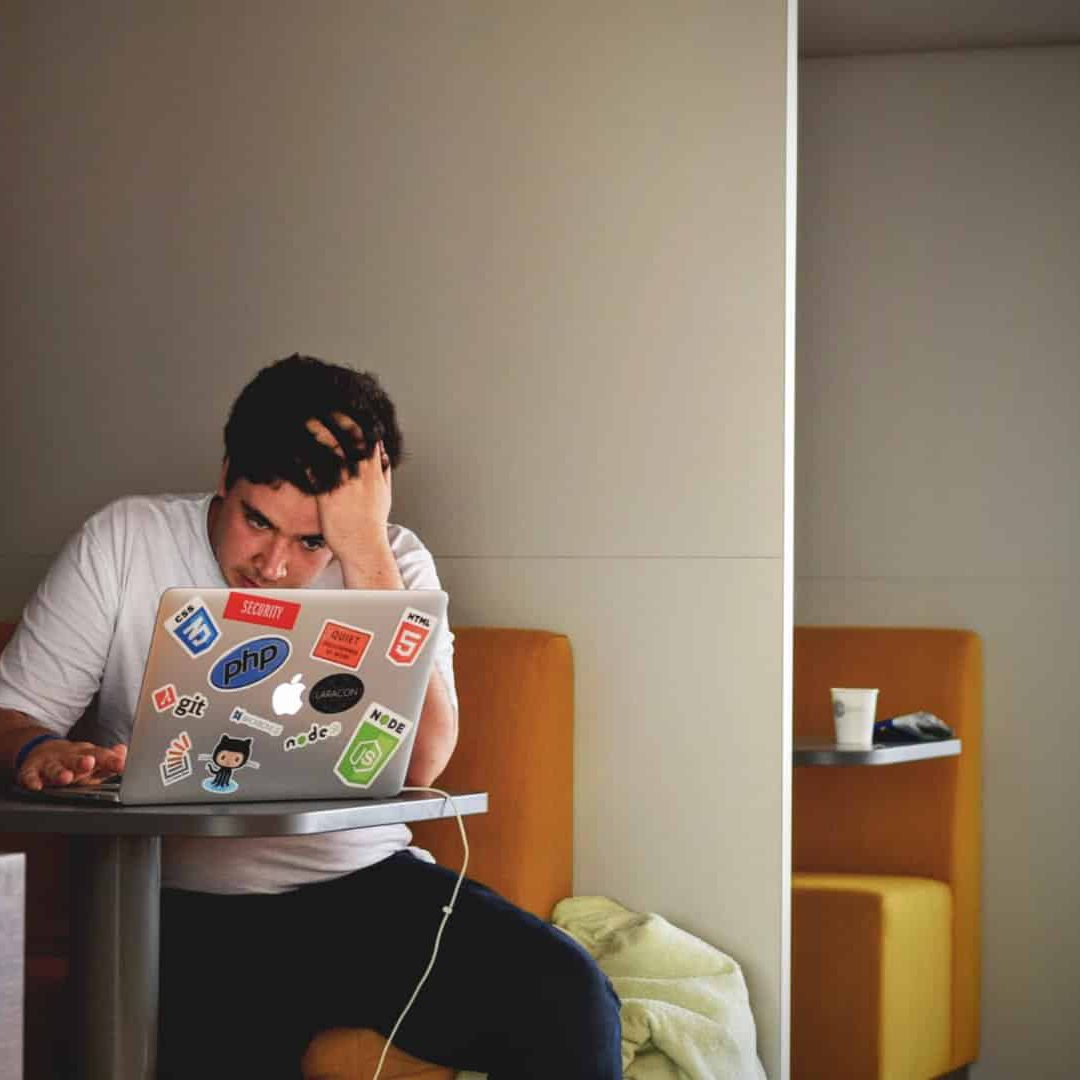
x=353, y=517
x=60, y=763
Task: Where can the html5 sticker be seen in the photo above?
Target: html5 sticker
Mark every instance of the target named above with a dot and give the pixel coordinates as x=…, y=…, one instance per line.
x=193, y=627
x=413, y=630
x=341, y=644
x=280, y=614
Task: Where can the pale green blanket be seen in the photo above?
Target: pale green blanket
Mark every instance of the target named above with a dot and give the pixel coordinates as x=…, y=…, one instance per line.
x=685, y=1010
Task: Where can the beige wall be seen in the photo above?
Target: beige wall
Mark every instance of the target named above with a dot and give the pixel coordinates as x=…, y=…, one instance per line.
x=937, y=442
x=558, y=232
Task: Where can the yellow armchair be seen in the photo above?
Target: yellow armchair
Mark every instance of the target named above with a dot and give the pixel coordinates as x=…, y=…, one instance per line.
x=887, y=866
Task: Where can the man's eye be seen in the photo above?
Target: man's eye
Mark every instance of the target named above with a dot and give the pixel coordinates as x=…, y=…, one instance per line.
x=257, y=522
x=312, y=544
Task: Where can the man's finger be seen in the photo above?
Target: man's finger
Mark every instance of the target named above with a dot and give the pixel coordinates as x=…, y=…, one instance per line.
x=324, y=435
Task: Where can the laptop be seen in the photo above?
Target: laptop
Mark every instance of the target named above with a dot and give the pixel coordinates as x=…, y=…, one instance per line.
x=277, y=694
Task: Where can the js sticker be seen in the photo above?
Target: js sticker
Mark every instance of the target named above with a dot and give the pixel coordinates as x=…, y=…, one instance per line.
x=413, y=630
x=374, y=743
x=193, y=627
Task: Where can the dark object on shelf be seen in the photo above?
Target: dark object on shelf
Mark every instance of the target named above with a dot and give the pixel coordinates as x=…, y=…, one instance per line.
x=912, y=727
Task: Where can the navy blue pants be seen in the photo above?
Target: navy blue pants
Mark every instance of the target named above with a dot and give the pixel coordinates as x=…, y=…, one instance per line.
x=247, y=981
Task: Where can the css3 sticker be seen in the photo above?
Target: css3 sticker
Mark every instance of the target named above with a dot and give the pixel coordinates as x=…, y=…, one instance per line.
x=413, y=630
x=193, y=627
x=374, y=743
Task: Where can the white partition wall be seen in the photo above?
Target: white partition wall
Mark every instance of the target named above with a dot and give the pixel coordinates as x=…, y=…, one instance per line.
x=559, y=232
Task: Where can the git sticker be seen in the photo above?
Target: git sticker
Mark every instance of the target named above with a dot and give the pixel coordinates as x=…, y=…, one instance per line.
x=374, y=743
x=165, y=697
x=341, y=644
x=193, y=627
x=413, y=630
x=177, y=763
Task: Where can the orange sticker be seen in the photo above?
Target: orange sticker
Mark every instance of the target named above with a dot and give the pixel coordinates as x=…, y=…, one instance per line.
x=165, y=697
x=341, y=644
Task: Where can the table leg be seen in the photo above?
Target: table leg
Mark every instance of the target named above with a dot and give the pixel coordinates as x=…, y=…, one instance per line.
x=116, y=887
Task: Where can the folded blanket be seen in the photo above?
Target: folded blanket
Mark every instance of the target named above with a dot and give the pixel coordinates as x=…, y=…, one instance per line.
x=685, y=1009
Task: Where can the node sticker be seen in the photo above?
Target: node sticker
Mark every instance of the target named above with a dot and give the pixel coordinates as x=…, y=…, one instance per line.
x=242, y=716
x=341, y=644
x=315, y=733
x=177, y=763
x=193, y=627
x=243, y=607
x=374, y=743
x=413, y=630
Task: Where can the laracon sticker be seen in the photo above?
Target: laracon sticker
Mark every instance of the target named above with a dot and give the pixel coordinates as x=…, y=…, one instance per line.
x=242, y=716
x=243, y=607
x=164, y=697
x=229, y=756
x=249, y=663
x=315, y=733
x=177, y=763
x=374, y=743
x=193, y=627
x=341, y=644
x=336, y=693
x=411, y=634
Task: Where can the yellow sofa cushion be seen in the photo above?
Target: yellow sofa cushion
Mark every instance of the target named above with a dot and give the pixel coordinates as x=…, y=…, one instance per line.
x=866, y=947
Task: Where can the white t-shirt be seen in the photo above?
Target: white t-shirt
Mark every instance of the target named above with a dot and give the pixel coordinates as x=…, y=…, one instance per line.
x=87, y=631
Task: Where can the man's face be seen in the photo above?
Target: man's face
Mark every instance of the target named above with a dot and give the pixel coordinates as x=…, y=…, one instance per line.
x=267, y=536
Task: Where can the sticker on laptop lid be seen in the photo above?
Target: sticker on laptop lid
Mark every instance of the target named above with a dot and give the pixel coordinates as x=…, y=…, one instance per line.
x=263, y=611
x=374, y=742
x=249, y=663
x=193, y=627
x=164, y=697
x=336, y=693
x=341, y=644
x=242, y=716
x=176, y=765
x=413, y=630
x=315, y=733
x=228, y=757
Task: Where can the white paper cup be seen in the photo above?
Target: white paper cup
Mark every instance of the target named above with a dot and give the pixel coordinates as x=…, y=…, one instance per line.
x=853, y=711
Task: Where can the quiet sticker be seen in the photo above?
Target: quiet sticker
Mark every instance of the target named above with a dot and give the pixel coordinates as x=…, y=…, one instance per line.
x=341, y=644
x=177, y=763
x=193, y=627
x=374, y=743
x=242, y=607
x=411, y=634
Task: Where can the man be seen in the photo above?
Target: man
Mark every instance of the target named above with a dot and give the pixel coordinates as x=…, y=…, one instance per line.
x=267, y=941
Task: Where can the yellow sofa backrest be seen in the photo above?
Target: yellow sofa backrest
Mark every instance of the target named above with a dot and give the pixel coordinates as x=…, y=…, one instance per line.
x=923, y=818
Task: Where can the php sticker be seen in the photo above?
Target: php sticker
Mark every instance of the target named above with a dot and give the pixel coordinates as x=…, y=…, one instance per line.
x=177, y=763
x=249, y=663
x=413, y=630
x=374, y=743
x=341, y=644
x=193, y=627
x=243, y=607
x=242, y=716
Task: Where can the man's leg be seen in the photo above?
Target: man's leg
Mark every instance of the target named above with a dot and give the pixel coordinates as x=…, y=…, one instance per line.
x=508, y=995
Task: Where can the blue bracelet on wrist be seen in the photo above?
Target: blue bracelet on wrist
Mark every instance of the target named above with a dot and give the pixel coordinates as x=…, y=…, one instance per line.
x=24, y=750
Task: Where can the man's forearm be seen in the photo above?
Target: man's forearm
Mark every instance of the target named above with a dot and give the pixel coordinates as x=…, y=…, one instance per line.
x=373, y=568
x=16, y=729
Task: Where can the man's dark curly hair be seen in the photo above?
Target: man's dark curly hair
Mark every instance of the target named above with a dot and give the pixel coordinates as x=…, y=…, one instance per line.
x=266, y=438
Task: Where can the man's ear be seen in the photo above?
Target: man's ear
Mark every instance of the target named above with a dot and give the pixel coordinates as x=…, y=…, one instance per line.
x=223, y=487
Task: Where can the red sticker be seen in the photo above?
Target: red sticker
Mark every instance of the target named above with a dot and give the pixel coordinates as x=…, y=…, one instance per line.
x=165, y=697
x=261, y=610
x=341, y=644
x=412, y=631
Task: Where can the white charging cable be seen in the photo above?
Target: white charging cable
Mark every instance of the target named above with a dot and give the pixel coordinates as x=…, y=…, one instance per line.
x=448, y=910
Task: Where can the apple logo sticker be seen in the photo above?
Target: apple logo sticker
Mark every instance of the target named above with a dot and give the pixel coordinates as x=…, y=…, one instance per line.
x=287, y=698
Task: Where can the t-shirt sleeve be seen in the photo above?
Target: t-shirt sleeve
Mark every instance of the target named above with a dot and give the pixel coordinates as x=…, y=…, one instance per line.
x=417, y=569
x=52, y=666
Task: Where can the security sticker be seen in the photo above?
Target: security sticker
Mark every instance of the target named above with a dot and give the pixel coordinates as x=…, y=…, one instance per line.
x=177, y=763
x=374, y=743
x=228, y=757
x=315, y=733
x=164, y=697
x=263, y=611
x=341, y=644
x=242, y=716
x=413, y=630
x=193, y=627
